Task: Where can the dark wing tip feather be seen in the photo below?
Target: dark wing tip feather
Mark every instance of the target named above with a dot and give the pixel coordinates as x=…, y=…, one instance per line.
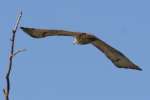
x=29, y=31
x=138, y=68
x=129, y=67
x=25, y=29
x=22, y=28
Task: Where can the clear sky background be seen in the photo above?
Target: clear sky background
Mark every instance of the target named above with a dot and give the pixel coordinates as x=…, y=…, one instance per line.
x=54, y=69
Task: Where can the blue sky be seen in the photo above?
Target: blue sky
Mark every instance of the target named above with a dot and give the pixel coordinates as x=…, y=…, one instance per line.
x=54, y=68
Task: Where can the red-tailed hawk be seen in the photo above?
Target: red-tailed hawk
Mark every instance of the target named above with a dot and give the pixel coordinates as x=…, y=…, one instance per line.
x=117, y=58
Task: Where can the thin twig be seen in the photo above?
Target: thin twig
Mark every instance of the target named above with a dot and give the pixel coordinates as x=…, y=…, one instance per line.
x=7, y=89
x=18, y=51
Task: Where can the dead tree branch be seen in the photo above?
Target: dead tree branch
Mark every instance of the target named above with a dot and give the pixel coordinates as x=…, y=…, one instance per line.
x=6, y=90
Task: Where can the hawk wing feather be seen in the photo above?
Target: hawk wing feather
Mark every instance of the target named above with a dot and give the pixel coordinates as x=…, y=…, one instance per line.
x=117, y=58
x=41, y=33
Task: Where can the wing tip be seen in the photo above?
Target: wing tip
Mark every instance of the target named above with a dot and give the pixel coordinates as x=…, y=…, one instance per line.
x=29, y=31
x=23, y=28
x=138, y=68
x=135, y=67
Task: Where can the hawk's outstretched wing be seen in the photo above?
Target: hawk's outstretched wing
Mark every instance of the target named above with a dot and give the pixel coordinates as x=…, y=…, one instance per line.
x=40, y=33
x=117, y=58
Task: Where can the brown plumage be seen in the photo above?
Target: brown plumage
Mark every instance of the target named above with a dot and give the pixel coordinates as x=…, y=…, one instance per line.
x=117, y=58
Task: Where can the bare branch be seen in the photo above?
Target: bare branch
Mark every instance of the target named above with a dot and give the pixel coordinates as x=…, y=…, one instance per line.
x=7, y=89
x=17, y=23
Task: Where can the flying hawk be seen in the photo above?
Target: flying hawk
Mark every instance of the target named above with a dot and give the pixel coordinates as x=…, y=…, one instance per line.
x=117, y=58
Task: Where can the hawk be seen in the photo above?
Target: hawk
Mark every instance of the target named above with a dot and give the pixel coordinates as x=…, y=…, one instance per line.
x=116, y=57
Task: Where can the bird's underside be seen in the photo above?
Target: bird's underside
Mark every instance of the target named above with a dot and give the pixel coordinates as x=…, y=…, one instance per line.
x=117, y=58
